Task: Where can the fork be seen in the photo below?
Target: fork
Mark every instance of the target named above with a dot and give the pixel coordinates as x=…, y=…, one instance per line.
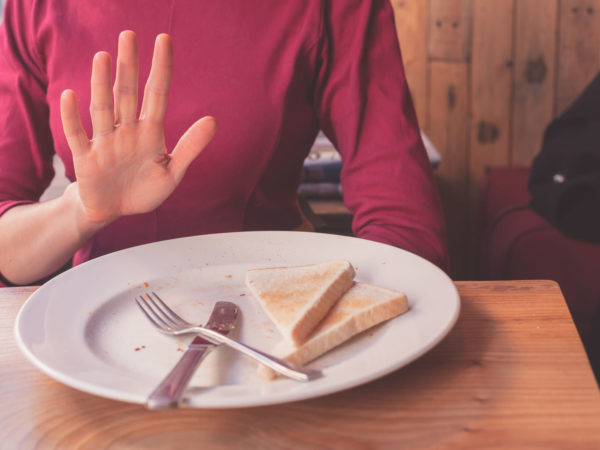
x=170, y=323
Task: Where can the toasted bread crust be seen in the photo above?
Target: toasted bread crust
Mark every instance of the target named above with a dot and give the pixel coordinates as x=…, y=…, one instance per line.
x=321, y=307
x=297, y=298
x=361, y=308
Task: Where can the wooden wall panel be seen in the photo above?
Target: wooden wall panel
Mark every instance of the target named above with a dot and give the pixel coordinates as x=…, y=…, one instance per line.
x=491, y=85
x=578, y=49
x=449, y=29
x=491, y=94
x=411, y=25
x=535, y=74
x=509, y=67
x=449, y=131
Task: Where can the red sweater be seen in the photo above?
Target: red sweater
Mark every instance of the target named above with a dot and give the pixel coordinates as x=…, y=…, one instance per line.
x=271, y=72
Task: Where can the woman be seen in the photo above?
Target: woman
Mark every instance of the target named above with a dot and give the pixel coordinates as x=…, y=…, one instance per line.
x=272, y=73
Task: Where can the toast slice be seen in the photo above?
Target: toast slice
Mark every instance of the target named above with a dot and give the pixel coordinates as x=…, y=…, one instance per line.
x=297, y=298
x=362, y=307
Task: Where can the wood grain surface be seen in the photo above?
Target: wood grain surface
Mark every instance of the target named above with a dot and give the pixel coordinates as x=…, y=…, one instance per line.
x=534, y=77
x=411, y=27
x=449, y=30
x=511, y=374
x=449, y=112
x=490, y=104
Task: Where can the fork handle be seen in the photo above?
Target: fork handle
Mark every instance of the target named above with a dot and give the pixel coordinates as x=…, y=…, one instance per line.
x=168, y=392
x=286, y=368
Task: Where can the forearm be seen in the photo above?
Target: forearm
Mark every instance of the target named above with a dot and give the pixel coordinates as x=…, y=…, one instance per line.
x=38, y=239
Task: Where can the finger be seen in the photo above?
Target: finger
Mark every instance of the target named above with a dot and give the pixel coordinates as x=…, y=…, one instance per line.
x=191, y=144
x=156, y=91
x=126, y=81
x=71, y=121
x=101, y=104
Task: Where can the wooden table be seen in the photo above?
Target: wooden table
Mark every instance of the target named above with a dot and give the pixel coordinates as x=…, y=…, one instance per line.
x=511, y=374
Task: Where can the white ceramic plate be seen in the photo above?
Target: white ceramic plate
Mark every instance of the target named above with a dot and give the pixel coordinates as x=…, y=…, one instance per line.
x=84, y=329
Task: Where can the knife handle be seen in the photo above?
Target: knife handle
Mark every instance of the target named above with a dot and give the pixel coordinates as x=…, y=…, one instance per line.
x=168, y=392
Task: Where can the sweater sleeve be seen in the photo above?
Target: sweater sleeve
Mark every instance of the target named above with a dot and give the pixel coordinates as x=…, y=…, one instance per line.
x=26, y=146
x=364, y=107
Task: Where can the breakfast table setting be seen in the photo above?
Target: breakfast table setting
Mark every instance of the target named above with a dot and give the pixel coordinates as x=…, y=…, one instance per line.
x=469, y=364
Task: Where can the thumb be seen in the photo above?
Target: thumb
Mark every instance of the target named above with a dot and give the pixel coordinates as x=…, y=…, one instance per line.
x=191, y=144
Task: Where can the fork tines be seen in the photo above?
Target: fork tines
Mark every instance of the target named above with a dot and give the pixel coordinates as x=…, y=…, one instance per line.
x=161, y=316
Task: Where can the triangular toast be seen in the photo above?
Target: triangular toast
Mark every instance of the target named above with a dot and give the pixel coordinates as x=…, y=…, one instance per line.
x=297, y=298
x=360, y=308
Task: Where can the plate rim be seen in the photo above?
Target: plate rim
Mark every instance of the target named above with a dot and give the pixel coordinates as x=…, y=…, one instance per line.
x=271, y=399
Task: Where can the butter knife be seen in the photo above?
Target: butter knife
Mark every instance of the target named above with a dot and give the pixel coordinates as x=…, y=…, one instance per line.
x=168, y=393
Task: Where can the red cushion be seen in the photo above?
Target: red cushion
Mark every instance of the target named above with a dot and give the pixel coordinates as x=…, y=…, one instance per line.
x=519, y=244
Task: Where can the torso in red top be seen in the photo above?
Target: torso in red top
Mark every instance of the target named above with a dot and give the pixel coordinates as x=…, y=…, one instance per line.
x=271, y=72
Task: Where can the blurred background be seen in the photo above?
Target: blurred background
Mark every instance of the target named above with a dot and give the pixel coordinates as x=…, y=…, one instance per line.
x=487, y=77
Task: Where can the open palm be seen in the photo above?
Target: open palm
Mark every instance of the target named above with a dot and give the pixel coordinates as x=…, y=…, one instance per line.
x=126, y=168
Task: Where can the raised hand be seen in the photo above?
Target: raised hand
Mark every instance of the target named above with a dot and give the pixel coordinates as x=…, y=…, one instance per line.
x=126, y=168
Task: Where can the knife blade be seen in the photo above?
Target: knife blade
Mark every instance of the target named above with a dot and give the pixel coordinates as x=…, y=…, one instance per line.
x=167, y=394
